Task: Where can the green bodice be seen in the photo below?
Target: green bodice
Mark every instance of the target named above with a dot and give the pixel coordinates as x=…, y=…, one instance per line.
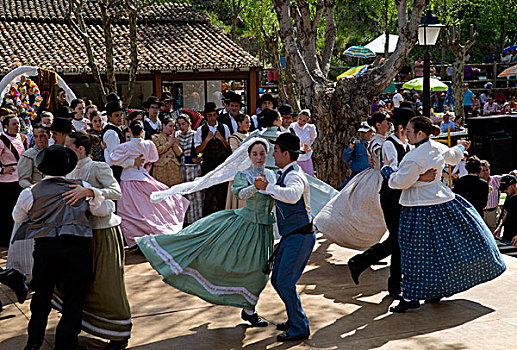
x=259, y=207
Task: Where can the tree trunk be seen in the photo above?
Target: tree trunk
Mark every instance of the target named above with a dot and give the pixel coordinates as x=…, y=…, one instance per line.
x=108, y=42
x=457, y=85
x=293, y=89
x=133, y=68
x=234, y=26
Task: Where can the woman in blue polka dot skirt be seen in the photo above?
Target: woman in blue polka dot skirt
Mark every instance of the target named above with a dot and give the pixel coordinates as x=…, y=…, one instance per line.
x=445, y=245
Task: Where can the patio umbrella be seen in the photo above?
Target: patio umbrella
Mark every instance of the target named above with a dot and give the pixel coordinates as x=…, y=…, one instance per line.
x=353, y=72
x=359, y=51
x=378, y=44
x=508, y=72
x=449, y=98
x=418, y=84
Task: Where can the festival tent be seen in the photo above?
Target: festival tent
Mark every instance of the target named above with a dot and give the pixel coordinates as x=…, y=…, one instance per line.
x=377, y=45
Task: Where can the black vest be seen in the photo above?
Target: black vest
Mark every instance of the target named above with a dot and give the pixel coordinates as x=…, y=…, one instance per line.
x=117, y=170
x=401, y=152
x=215, y=152
x=120, y=135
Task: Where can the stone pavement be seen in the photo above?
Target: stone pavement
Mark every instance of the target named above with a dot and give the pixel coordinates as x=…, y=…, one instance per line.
x=342, y=315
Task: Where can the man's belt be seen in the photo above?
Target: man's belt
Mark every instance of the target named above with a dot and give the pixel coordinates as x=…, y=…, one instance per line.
x=491, y=209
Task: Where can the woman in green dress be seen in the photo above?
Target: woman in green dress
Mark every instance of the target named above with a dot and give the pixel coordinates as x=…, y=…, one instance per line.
x=221, y=258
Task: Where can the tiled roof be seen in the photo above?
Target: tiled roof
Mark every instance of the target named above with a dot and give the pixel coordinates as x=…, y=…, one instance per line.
x=180, y=39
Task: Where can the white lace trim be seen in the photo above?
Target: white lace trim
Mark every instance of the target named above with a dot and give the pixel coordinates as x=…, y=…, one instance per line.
x=209, y=286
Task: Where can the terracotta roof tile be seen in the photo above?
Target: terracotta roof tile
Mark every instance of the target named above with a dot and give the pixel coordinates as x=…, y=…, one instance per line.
x=35, y=32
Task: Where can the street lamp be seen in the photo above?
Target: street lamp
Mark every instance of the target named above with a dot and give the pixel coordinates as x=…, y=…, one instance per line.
x=428, y=32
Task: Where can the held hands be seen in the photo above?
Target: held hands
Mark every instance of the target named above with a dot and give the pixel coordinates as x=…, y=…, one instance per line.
x=71, y=197
x=139, y=161
x=9, y=170
x=261, y=182
x=219, y=136
x=428, y=176
x=464, y=143
x=210, y=136
x=103, y=145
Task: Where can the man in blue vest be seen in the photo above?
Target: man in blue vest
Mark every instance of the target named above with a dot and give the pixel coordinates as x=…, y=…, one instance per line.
x=291, y=194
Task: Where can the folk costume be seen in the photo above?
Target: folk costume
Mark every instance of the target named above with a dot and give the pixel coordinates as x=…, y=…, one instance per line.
x=221, y=257
x=167, y=168
x=394, y=149
x=62, y=235
x=364, y=223
x=139, y=216
x=293, y=214
x=214, y=154
x=445, y=245
x=20, y=252
x=233, y=202
x=97, y=151
x=189, y=171
x=112, y=136
x=11, y=148
x=106, y=308
x=307, y=135
x=152, y=128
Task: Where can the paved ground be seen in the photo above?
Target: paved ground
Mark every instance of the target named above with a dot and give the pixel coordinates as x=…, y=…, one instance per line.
x=342, y=315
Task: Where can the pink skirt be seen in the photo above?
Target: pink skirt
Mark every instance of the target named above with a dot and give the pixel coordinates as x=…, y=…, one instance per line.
x=307, y=166
x=140, y=217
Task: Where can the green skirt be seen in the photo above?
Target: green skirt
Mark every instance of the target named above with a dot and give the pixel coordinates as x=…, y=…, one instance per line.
x=219, y=258
x=106, y=311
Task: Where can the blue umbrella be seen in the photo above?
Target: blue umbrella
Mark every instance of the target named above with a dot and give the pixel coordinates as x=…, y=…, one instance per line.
x=449, y=98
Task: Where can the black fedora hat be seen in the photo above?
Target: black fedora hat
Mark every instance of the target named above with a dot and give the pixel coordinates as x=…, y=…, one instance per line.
x=63, y=112
x=112, y=107
x=62, y=125
x=56, y=160
x=267, y=97
x=167, y=96
x=289, y=141
x=152, y=100
x=285, y=110
x=210, y=107
x=233, y=97
x=112, y=97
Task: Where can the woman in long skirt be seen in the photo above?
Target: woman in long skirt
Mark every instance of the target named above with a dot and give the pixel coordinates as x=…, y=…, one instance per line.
x=106, y=311
x=243, y=122
x=190, y=168
x=139, y=216
x=221, y=258
x=446, y=247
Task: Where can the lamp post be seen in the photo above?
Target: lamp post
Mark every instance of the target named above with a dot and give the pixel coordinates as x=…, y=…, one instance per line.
x=428, y=32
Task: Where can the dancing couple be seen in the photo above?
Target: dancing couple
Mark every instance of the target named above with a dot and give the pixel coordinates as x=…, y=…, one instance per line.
x=222, y=258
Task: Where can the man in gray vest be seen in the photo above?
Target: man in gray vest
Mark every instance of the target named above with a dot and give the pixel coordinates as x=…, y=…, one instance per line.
x=62, y=236
x=292, y=198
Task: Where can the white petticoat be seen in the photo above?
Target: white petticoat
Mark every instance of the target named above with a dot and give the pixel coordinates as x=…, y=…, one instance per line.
x=354, y=218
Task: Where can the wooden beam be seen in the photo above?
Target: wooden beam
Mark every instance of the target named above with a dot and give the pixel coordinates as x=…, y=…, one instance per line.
x=157, y=84
x=253, y=91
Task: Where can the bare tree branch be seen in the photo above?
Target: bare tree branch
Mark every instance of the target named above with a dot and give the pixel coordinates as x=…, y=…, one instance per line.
x=330, y=35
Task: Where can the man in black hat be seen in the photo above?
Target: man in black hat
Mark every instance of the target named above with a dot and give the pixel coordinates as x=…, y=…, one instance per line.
x=235, y=104
x=166, y=107
x=293, y=215
x=62, y=235
x=508, y=219
x=211, y=139
x=60, y=128
x=226, y=104
x=113, y=97
x=267, y=101
x=286, y=111
x=393, y=150
x=152, y=125
x=112, y=134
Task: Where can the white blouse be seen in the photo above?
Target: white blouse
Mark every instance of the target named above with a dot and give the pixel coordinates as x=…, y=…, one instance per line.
x=428, y=155
x=307, y=134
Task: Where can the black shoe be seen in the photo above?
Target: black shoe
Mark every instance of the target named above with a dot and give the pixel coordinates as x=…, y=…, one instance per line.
x=116, y=345
x=286, y=337
x=355, y=270
x=16, y=281
x=404, y=305
x=284, y=326
x=433, y=301
x=254, y=319
x=31, y=347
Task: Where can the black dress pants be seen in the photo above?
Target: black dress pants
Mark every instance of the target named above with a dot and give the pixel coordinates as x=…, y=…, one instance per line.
x=391, y=208
x=65, y=261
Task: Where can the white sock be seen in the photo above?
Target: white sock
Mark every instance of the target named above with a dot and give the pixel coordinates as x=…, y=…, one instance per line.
x=248, y=312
